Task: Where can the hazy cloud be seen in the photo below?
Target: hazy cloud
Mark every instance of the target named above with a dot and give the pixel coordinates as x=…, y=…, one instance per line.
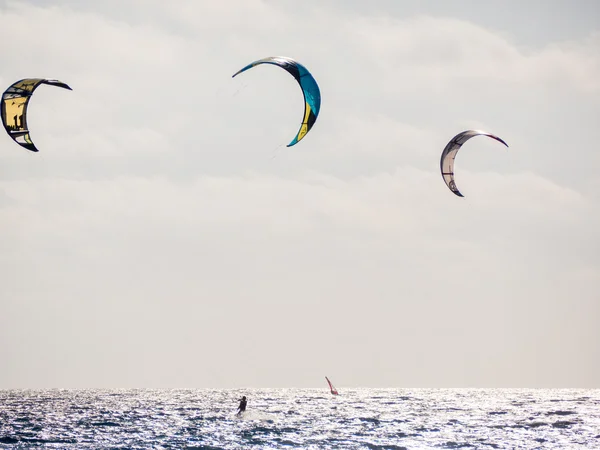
x=165, y=236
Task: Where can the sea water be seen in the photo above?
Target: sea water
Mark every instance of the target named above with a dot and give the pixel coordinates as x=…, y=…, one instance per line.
x=301, y=418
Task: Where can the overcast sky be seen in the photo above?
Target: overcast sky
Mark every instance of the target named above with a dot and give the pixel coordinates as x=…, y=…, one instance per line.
x=164, y=236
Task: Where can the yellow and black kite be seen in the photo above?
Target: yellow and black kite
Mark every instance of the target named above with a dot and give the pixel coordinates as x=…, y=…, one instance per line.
x=14, y=108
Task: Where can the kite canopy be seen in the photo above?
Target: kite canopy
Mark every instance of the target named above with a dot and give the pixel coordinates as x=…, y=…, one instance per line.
x=449, y=153
x=310, y=90
x=14, y=108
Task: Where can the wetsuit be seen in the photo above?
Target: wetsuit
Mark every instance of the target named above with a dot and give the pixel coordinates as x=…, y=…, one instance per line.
x=242, y=406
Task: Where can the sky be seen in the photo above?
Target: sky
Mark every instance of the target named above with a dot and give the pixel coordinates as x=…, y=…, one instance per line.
x=165, y=237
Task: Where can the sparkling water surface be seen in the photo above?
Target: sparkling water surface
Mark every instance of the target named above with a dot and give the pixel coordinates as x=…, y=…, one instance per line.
x=301, y=418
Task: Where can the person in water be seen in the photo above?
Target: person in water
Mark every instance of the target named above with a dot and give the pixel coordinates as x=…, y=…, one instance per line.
x=242, y=406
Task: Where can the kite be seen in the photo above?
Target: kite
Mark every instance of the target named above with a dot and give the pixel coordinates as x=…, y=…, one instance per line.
x=449, y=153
x=310, y=90
x=14, y=108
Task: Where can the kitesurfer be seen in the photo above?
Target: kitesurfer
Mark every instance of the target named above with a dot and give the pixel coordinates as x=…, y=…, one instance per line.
x=242, y=406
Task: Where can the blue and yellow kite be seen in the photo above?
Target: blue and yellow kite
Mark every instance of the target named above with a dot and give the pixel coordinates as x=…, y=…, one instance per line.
x=310, y=89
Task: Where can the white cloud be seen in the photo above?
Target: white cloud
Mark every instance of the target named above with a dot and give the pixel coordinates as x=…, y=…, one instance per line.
x=154, y=203
x=440, y=52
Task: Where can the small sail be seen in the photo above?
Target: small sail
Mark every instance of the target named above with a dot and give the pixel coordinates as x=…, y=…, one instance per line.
x=331, y=387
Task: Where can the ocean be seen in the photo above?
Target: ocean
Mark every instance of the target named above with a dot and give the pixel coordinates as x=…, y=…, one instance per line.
x=301, y=418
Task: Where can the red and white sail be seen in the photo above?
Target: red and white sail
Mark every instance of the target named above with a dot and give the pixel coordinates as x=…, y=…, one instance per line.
x=331, y=387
